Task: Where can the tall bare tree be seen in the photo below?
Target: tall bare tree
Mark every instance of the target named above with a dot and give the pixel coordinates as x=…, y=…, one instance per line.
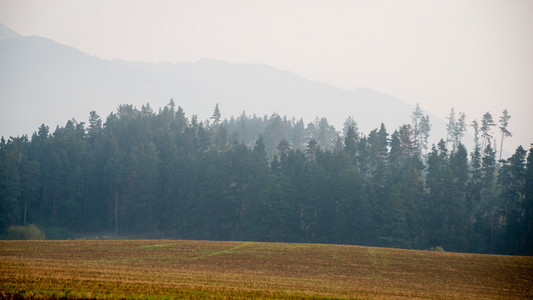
x=504, y=122
x=486, y=132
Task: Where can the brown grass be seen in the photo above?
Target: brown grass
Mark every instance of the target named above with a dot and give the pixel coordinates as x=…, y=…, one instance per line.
x=200, y=269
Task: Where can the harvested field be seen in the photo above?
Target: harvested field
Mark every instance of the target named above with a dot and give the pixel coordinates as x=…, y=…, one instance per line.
x=167, y=269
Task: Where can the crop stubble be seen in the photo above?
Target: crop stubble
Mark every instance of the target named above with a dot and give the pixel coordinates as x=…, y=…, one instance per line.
x=205, y=269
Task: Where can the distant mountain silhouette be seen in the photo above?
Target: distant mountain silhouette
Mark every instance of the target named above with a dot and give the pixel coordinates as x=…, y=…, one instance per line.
x=42, y=81
x=6, y=33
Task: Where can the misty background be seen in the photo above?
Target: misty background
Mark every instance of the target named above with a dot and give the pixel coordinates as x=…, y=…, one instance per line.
x=48, y=83
x=302, y=59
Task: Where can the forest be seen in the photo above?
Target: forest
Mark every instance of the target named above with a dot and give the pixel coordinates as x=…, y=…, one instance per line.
x=160, y=174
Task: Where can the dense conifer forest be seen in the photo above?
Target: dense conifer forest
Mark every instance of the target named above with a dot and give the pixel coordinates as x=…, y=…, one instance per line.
x=147, y=174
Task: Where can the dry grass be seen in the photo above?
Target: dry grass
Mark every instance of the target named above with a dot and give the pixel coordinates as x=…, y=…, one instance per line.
x=201, y=269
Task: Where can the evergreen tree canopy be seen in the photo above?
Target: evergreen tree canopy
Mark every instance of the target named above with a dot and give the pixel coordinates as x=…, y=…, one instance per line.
x=158, y=174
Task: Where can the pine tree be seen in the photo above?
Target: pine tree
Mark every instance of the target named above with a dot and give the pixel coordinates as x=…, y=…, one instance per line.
x=378, y=149
x=312, y=149
x=512, y=177
x=421, y=128
x=221, y=138
x=273, y=133
x=9, y=185
x=440, y=202
x=416, y=118
x=456, y=128
x=425, y=128
x=112, y=173
x=460, y=129
x=326, y=135
x=459, y=223
x=451, y=126
x=396, y=155
x=408, y=141
x=350, y=122
x=526, y=245
x=298, y=136
x=350, y=142
x=486, y=132
x=216, y=116
x=95, y=126
x=488, y=209
x=504, y=122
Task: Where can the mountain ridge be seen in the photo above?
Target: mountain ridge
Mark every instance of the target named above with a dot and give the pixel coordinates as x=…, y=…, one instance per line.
x=42, y=81
x=6, y=32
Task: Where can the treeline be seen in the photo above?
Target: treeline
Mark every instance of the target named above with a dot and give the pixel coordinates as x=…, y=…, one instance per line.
x=159, y=174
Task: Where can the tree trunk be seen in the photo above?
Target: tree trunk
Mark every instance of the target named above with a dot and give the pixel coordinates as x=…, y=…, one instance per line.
x=116, y=212
x=501, y=148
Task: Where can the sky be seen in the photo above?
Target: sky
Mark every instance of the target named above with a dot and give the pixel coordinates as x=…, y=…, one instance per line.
x=474, y=56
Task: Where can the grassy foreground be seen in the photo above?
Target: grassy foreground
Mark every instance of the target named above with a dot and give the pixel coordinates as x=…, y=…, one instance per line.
x=201, y=269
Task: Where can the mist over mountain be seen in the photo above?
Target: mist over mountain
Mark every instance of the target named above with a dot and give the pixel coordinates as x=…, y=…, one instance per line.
x=42, y=81
x=6, y=32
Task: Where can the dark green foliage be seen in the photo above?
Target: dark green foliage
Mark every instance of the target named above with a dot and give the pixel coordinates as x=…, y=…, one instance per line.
x=512, y=179
x=525, y=243
x=9, y=183
x=57, y=233
x=159, y=174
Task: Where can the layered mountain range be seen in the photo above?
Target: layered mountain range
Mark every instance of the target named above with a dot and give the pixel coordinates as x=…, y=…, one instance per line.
x=42, y=81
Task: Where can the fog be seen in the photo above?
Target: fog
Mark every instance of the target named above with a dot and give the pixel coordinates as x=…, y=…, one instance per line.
x=474, y=56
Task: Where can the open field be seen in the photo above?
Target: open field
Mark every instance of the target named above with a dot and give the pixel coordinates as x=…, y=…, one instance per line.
x=201, y=269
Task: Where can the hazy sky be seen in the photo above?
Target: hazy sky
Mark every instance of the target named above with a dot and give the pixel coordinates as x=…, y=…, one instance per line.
x=475, y=56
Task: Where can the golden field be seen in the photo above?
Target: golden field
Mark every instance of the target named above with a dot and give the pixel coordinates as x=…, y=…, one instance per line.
x=176, y=269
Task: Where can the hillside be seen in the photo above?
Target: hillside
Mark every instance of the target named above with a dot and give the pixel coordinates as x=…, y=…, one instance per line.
x=198, y=269
x=42, y=81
